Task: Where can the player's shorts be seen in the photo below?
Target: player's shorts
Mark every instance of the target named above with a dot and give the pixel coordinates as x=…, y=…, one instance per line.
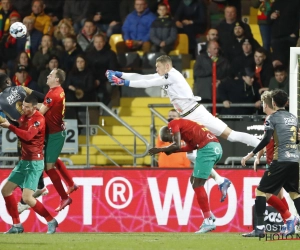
x=207, y=157
x=280, y=174
x=27, y=174
x=201, y=115
x=54, y=145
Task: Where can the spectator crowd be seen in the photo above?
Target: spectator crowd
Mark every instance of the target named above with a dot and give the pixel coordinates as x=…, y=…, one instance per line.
x=74, y=36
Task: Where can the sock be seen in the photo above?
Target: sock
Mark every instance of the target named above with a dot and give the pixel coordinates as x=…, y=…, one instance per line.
x=248, y=139
x=41, y=183
x=12, y=208
x=297, y=205
x=64, y=172
x=283, y=200
x=54, y=177
x=202, y=201
x=42, y=211
x=218, y=178
x=275, y=202
x=260, y=208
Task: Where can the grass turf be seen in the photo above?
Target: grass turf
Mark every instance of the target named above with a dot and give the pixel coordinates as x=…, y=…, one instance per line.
x=139, y=241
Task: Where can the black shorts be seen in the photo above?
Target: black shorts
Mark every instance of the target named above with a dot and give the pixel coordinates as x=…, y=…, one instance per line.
x=280, y=174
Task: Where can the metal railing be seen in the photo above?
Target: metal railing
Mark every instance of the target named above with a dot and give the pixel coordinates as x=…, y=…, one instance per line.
x=155, y=113
x=88, y=126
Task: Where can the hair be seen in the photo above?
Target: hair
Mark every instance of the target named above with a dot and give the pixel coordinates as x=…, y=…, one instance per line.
x=61, y=75
x=74, y=69
x=230, y=6
x=261, y=50
x=66, y=22
x=89, y=20
x=163, y=132
x=3, y=81
x=31, y=99
x=164, y=59
x=209, y=43
x=102, y=35
x=266, y=97
x=40, y=1
x=279, y=68
x=280, y=97
x=162, y=4
x=72, y=37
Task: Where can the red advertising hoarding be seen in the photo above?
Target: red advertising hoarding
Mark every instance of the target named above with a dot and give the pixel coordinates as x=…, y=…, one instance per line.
x=142, y=200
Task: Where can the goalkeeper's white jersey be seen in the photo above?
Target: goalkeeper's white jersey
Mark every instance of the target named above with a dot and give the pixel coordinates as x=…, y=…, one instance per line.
x=177, y=88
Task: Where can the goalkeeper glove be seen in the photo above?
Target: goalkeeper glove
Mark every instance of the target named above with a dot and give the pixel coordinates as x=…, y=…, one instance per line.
x=118, y=81
x=109, y=73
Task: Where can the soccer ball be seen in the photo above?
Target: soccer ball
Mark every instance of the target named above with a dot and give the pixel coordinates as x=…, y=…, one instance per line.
x=18, y=30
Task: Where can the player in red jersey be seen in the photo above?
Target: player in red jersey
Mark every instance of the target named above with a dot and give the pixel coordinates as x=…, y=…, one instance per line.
x=26, y=174
x=276, y=200
x=209, y=152
x=53, y=108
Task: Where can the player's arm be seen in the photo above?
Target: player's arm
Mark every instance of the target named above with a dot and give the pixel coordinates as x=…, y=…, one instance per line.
x=172, y=148
x=23, y=134
x=158, y=81
x=137, y=77
x=43, y=109
x=257, y=160
x=37, y=94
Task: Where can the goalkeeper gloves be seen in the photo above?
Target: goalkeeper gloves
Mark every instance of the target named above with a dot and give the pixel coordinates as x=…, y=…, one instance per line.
x=118, y=81
x=109, y=73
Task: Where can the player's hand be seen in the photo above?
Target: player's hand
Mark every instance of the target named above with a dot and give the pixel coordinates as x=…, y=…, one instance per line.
x=5, y=124
x=118, y=81
x=246, y=158
x=256, y=162
x=109, y=73
x=154, y=151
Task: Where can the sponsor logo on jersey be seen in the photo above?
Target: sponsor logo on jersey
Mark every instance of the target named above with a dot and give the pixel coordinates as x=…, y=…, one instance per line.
x=166, y=86
x=37, y=123
x=48, y=100
x=290, y=121
x=166, y=76
x=13, y=97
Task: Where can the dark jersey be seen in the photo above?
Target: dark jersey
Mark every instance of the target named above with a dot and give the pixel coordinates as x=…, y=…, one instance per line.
x=55, y=101
x=11, y=100
x=285, y=128
x=269, y=149
x=193, y=134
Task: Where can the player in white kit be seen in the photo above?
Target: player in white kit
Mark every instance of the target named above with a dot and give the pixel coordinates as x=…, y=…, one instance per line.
x=185, y=103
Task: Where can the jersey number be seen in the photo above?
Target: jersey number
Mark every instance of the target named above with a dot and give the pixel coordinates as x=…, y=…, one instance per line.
x=294, y=136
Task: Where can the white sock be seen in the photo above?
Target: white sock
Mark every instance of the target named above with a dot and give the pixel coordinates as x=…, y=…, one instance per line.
x=243, y=138
x=261, y=227
x=218, y=178
x=18, y=225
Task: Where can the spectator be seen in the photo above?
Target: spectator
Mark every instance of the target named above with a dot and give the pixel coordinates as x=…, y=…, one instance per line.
x=244, y=60
x=6, y=9
x=191, y=19
x=86, y=36
x=8, y=46
x=212, y=35
x=70, y=54
x=163, y=32
x=240, y=90
x=284, y=19
x=42, y=56
x=178, y=160
x=203, y=71
x=23, y=59
x=136, y=29
x=80, y=87
x=215, y=10
x=61, y=31
x=264, y=8
x=226, y=26
x=23, y=7
x=106, y=18
x=101, y=58
x=234, y=48
x=263, y=69
x=30, y=44
x=53, y=63
x=22, y=78
x=43, y=22
x=76, y=11
x=54, y=9
x=280, y=80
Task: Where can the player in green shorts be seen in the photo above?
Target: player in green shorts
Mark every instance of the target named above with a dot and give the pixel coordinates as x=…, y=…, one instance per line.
x=209, y=152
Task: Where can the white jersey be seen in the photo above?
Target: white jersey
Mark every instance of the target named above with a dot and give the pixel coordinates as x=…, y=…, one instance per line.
x=177, y=88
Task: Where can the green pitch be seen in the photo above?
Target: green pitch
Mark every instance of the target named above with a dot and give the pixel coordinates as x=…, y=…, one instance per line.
x=139, y=241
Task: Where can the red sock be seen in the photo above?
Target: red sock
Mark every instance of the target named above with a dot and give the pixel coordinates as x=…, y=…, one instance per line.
x=275, y=202
x=12, y=208
x=283, y=200
x=54, y=177
x=60, y=166
x=42, y=211
x=202, y=201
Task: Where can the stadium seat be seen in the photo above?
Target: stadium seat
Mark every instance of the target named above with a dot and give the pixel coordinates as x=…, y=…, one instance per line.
x=114, y=39
x=181, y=45
x=129, y=60
x=149, y=60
